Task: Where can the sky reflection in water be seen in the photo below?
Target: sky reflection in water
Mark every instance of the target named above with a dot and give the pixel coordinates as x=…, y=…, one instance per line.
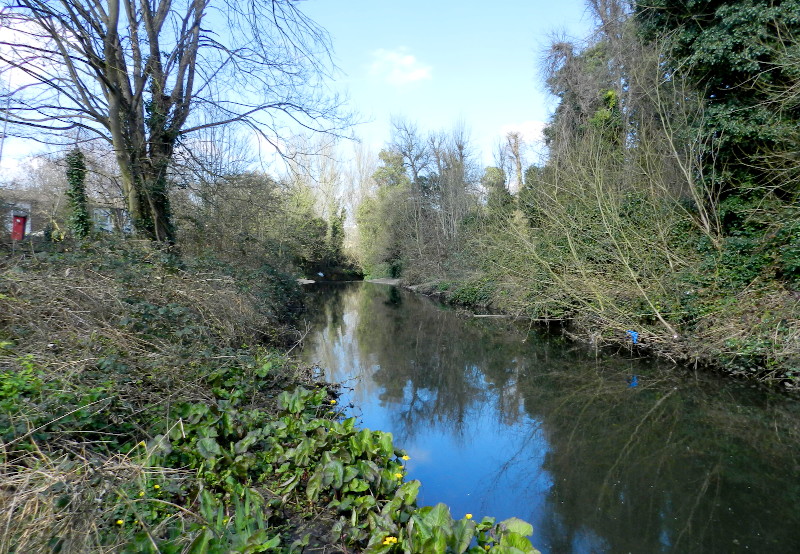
x=501, y=422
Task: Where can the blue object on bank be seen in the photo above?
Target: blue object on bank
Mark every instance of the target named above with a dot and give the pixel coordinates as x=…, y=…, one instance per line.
x=633, y=335
x=633, y=381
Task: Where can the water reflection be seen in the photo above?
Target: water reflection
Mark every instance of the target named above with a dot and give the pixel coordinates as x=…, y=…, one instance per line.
x=502, y=422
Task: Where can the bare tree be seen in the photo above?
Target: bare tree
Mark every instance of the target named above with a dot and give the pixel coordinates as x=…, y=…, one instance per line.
x=516, y=145
x=315, y=165
x=407, y=141
x=140, y=75
x=501, y=157
x=455, y=179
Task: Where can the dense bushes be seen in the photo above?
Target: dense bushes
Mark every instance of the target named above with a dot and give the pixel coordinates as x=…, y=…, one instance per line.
x=251, y=219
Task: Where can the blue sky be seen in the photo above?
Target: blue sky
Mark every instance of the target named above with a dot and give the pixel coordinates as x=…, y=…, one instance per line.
x=437, y=61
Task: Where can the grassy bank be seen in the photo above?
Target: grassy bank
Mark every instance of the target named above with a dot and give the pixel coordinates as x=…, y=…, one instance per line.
x=146, y=406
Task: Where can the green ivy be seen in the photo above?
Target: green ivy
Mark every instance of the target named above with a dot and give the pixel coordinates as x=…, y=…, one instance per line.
x=80, y=221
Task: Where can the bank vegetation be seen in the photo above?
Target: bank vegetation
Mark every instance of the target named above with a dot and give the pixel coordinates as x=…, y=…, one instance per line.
x=664, y=216
x=147, y=405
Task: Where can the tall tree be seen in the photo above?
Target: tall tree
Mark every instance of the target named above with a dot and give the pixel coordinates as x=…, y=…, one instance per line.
x=144, y=74
x=407, y=140
x=515, y=145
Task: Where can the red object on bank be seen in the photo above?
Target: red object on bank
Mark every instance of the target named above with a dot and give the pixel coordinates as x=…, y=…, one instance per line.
x=18, y=227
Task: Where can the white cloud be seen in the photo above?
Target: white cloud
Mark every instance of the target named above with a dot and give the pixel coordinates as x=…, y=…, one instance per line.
x=398, y=67
x=532, y=131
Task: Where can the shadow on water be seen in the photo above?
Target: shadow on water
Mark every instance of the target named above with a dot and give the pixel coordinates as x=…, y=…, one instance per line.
x=499, y=421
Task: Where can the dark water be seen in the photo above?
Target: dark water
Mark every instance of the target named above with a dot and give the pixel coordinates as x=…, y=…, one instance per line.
x=501, y=421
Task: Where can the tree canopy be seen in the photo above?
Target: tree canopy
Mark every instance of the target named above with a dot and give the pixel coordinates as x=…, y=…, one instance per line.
x=743, y=56
x=144, y=75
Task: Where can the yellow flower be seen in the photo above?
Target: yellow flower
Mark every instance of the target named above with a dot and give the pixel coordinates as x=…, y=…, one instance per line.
x=486, y=547
x=389, y=540
x=468, y=516
x=398, y=475
x=406, y=457
x=120, y=522
x=333, y=402
x=141, y=493
x=156, y=487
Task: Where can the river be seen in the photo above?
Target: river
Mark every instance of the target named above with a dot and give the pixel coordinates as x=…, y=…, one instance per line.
x=503, y=420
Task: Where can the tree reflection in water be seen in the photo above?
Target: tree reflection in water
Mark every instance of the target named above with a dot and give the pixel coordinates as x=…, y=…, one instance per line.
x=504, y=422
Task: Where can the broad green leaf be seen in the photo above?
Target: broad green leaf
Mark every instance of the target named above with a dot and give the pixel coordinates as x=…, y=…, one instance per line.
x=336, y=530
x=409, y=491
x=247, y=441
x=314, y=486
x=368, y=470
x=350, y=473
x=194, y=412
x=385, y=444
x=391, y=507
x=333, y=474
x=356, y=485
x=486, y=522
x=292, y=402
x=300, y=543
x=439, y=516
x=418, y=530
x=208, y=448
x=207, y=430
x=437, y=544
x=260, y=542
x=365, y=502
x=361, y=443
x=516, y=540
x=463, y=533
x=380, y=525
x=405, y=495
x=264, y=369
x=517, y=526
x=348, y=425
x=378, y=547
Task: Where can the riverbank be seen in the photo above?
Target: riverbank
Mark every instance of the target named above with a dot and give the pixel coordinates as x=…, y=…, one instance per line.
x=146, y=405
x=688, y=351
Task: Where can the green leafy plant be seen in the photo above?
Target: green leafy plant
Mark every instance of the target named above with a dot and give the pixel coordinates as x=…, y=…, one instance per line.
x=80, y=221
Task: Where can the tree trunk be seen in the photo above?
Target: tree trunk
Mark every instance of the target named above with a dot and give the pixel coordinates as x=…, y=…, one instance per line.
x=145, y=183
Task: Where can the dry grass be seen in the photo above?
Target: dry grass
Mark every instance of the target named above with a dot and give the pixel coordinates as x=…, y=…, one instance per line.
x=132, y=322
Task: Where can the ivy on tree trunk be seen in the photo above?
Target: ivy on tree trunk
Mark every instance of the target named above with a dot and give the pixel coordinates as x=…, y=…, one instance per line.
x=80, y=222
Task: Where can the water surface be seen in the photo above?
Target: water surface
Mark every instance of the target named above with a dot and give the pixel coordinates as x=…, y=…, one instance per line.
x=502, y=420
